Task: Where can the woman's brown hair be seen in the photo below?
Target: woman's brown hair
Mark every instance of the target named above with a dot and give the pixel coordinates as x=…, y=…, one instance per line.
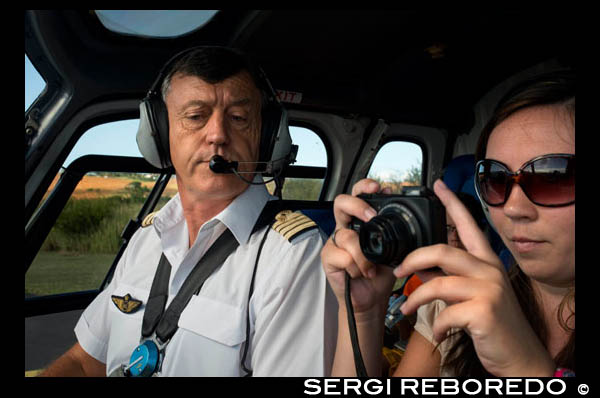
x=555, y=88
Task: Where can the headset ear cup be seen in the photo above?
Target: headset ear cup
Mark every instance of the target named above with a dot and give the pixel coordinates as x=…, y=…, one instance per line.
x=161, y=117
x=153, y=132
x=271, y=117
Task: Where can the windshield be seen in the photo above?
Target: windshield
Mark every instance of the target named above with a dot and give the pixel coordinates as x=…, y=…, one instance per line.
x=154, y=23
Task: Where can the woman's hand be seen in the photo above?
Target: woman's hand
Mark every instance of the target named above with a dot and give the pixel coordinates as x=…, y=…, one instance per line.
x=371, y=285
x=479, y=296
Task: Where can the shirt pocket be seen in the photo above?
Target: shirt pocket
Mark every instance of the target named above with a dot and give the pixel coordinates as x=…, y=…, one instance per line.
x=215, y=320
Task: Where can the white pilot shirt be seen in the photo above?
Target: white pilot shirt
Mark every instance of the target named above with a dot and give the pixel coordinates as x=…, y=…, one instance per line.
x=293, y=312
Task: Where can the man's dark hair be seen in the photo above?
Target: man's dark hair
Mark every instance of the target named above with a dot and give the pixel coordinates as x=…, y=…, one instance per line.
x=214, y=65
x=551, y=88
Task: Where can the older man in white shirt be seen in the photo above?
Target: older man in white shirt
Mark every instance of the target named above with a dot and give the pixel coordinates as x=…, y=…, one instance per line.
x=214, y=104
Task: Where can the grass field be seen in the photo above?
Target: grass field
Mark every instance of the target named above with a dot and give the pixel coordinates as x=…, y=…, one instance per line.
x=54, y=273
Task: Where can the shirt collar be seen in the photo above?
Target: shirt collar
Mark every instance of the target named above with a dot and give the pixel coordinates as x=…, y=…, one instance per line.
x=239, y=217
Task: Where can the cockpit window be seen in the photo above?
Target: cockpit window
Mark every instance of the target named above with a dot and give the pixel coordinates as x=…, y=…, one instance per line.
x=398, y=164
x=154, y=23
x=34, y=83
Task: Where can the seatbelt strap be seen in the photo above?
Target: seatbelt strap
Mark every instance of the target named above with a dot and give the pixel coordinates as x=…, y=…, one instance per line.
x=164, y=323
x=159, y=293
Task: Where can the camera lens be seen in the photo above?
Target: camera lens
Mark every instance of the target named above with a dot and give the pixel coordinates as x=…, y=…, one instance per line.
x=376, y=241
x=389, y=236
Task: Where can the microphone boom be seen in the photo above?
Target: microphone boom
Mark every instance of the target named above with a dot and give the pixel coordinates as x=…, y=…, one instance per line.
x=219, y=165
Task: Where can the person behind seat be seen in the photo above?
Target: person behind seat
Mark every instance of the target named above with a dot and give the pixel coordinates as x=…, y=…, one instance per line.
x=477, y=319
x=214, y=98
x=459, y=178
x=458, y=175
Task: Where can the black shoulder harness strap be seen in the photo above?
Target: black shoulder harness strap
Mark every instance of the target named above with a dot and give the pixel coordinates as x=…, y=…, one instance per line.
x=164, y=322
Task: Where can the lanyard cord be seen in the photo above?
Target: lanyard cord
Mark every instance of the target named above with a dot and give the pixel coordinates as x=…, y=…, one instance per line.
x=243, y=362
x=361, y=371
x=359, y=364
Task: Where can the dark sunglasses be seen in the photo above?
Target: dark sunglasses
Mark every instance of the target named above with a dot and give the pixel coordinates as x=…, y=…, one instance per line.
x=547, y=180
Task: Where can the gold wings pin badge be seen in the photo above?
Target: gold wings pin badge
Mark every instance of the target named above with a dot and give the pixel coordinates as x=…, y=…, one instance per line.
x=126, y=304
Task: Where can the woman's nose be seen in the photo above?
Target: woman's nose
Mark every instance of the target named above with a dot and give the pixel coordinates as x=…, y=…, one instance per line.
x=518, y=205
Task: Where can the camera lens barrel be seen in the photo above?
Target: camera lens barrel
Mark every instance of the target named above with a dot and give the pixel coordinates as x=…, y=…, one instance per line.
x=389, y=236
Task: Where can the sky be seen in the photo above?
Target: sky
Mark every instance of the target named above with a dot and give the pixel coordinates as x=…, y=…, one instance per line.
x=118, y=138
x=34, y=84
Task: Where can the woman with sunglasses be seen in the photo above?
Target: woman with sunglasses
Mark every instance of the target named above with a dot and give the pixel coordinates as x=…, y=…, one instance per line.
x=476, y=319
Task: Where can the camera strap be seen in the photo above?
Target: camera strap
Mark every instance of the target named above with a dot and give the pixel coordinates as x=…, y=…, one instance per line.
x=361, y=371
x=359, y=364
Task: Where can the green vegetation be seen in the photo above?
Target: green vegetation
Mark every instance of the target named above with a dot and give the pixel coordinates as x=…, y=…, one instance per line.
x=412, y=177
x=299, y=188
x=82, y=244
x=302, y=189
x=95, y=225
x=54, y=272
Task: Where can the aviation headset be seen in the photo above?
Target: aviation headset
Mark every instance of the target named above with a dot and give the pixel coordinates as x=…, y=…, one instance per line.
x=275, y=146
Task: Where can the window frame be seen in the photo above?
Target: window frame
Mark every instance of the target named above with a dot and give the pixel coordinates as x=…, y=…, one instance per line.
x=44, y=171
x=424, y=155
x=313, y=171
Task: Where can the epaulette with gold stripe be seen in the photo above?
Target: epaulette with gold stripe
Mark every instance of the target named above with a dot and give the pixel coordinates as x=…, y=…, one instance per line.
x=149, y=219
x=291, y=224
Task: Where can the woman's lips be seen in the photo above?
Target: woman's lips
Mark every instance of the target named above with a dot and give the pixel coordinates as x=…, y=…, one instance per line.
x=526, y=245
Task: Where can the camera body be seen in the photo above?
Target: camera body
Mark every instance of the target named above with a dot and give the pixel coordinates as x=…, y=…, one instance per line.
x=404, y=222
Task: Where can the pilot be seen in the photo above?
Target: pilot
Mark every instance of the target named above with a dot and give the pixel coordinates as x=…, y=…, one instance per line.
x=263, y=310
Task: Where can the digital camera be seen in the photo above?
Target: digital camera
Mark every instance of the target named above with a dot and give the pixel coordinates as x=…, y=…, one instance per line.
x=404, y=222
